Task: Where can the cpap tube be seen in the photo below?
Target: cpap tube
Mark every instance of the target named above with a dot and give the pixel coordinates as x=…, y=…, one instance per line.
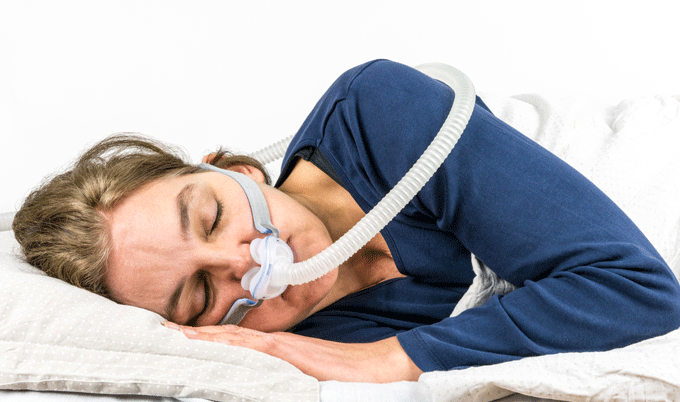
x=272, y=152
x=376, y=219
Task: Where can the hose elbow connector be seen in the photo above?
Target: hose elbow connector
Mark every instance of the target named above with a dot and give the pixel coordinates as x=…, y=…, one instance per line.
x=273, y=255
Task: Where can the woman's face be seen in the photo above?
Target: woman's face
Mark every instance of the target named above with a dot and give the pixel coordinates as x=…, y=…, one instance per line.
x=180, y=246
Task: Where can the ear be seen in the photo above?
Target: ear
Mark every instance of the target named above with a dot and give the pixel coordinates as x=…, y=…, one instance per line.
x=248, y=170
x=208, y=158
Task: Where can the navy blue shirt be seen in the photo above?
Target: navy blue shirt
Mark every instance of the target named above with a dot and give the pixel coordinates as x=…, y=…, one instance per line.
x=588, y=278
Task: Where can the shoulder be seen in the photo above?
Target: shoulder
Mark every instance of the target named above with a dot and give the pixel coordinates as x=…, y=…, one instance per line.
x=381, y=77
x=377, y=76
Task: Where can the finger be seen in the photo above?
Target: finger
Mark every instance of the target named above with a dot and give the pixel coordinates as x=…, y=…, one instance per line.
x=200, y=332
x=215, y=332
x=228, y=338
x=207, y=329
x=238, y=337
x=192, y=333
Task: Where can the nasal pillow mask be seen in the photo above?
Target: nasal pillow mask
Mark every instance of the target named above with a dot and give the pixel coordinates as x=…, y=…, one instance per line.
x=277, y=269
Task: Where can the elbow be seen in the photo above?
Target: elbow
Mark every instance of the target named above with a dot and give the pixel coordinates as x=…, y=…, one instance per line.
x=664, y=302
x=670, y=309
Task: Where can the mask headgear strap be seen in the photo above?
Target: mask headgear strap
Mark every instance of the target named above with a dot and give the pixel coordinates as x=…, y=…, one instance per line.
x=258, y=205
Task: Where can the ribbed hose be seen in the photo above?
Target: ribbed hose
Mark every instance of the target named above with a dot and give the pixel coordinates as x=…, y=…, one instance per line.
x=376, y=219
x=272, y=152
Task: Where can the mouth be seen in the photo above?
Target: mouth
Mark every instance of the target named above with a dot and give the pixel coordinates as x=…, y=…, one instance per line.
x=295, y=255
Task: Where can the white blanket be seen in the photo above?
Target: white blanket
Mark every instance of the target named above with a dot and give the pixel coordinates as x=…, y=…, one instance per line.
x=646, y=371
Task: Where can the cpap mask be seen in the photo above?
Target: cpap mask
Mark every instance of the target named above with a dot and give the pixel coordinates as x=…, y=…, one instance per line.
x=277, y=269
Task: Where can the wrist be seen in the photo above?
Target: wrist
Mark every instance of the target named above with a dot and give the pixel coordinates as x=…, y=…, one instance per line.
x=394, y=363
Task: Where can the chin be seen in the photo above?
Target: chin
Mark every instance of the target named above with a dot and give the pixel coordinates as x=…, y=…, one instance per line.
x=291, y=307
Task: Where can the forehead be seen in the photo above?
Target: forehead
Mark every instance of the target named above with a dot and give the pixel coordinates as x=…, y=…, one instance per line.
x=148, y=210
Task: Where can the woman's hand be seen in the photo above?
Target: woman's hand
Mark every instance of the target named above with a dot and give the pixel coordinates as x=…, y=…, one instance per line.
x=382, y=361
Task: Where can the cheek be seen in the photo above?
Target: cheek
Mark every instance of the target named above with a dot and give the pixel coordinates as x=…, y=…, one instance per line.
x=144, y=291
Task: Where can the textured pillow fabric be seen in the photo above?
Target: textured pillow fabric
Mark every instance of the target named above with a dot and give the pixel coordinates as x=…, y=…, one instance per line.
x=54, y=336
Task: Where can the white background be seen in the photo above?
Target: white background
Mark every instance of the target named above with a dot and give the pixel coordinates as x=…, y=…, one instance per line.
x=245, y=73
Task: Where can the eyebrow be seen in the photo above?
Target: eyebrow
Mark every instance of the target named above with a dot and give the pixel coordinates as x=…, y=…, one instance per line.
x=183, y=208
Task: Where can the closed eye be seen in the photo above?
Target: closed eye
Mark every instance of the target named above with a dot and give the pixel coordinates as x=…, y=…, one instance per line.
x=218, y=217
x=207, y=296
x=207, y=293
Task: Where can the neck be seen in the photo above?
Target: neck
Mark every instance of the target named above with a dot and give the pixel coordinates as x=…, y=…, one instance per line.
x=338, y=211
x=321, y=195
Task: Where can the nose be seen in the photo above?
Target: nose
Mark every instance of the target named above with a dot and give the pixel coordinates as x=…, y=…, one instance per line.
x=231, y=264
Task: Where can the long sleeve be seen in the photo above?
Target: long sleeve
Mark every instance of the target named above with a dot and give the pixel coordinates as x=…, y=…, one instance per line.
x=587, y=278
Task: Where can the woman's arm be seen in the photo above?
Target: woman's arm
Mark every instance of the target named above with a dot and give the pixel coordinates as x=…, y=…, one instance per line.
x=377, y=362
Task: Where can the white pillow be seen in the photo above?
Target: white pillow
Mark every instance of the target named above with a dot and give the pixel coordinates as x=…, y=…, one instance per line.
x=54, y=336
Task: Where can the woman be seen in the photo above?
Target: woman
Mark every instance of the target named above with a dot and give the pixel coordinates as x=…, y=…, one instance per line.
x=136, y=224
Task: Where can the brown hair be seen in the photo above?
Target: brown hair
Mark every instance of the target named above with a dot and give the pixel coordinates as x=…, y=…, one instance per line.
x=61, y=227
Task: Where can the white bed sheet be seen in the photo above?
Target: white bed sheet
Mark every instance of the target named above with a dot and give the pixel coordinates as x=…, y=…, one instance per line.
x=37, y=396
x=330, y=391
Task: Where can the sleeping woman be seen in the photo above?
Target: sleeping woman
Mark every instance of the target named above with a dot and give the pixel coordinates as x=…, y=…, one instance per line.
x=135, y=222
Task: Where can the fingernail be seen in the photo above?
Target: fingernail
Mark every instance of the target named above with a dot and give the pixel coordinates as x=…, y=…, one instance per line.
x=189, y=331
x=224, y=341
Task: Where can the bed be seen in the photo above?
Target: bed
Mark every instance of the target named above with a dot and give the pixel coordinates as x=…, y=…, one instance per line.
x=60, y=343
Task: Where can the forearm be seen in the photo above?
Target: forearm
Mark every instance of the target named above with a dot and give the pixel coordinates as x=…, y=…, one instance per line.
x=377, y=362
